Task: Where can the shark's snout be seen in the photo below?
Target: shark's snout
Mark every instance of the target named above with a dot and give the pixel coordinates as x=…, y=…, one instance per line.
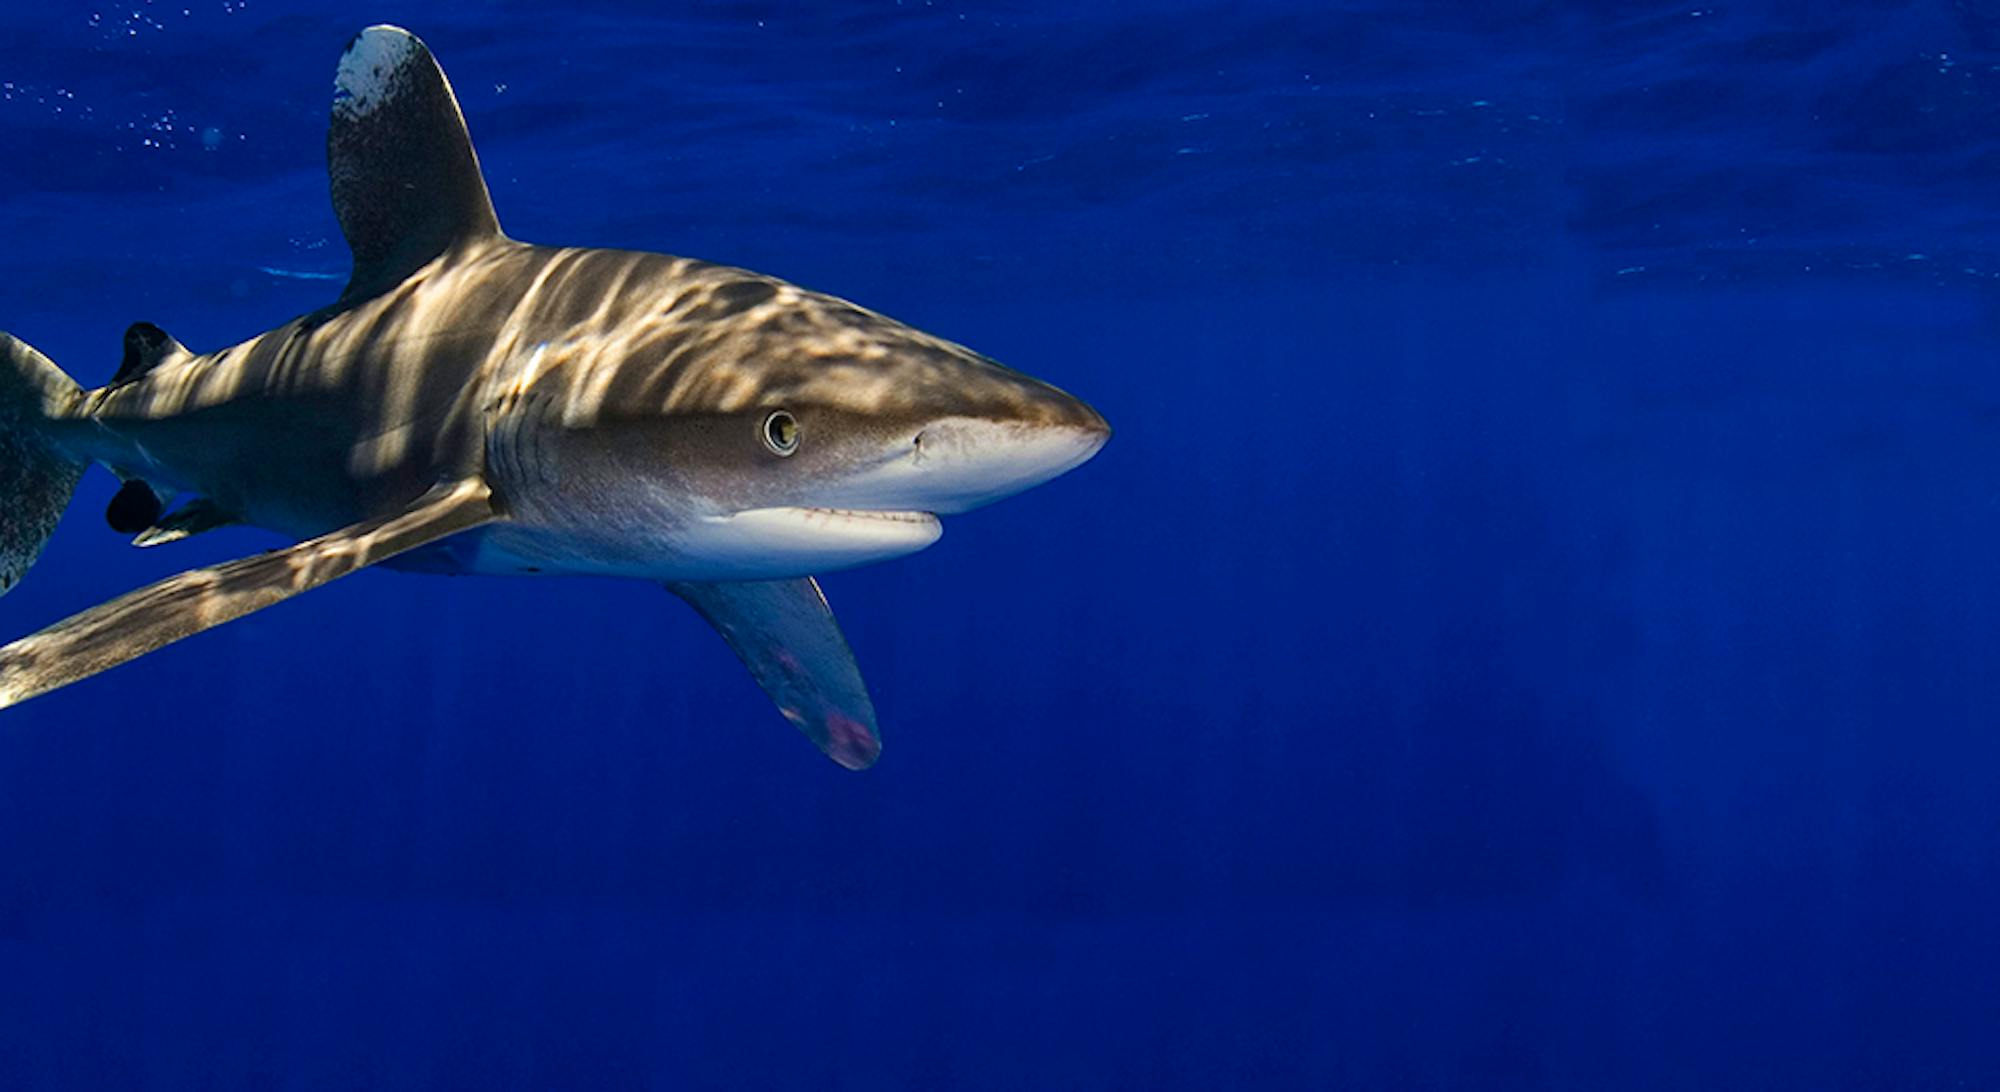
x=961, y=463
x=1027, y=433
x=1002, y=434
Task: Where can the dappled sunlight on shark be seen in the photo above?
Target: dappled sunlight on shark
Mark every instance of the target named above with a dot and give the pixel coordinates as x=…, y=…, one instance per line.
x=473, y=404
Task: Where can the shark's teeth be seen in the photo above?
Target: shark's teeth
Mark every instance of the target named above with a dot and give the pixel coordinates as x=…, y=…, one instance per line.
x=870, y=513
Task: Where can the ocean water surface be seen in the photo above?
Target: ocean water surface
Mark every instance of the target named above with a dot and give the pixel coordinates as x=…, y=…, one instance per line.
x=1534, y=626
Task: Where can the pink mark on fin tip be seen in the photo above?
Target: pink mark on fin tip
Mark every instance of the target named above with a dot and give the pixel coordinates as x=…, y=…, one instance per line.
x=850, y=743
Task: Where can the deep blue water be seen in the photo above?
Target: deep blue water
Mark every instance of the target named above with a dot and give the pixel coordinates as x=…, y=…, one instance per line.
x=1533, y=628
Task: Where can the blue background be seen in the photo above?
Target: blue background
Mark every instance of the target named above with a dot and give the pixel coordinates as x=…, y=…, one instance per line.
x=1533, y=627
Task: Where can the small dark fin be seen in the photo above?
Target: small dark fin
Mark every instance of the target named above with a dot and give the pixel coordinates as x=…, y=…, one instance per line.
x=36, y=475
x=146, y=347
x=133, y=508
x=138, y=622
x=190, y=519
x=406, y=183
x=785, y=634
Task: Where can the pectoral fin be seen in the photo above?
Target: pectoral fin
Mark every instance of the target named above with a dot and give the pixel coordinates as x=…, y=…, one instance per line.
x=784, y=633
x=180, y=606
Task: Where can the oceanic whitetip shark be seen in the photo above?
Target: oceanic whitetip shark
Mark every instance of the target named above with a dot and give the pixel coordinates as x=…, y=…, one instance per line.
x=473, y=404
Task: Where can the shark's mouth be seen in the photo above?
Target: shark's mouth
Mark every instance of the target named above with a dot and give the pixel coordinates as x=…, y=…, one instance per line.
x=809, y=512
x=874, y=531
x=810, y=539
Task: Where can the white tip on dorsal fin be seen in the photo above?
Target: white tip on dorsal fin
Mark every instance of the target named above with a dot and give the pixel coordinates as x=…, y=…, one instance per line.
x=406, y=183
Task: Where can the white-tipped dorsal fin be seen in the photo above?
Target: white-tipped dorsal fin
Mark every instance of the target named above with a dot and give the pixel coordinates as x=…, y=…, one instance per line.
x=406, y=183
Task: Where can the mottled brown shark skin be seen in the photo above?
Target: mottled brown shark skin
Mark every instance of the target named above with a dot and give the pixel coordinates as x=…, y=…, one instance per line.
x=476, y=404
x=350, y=412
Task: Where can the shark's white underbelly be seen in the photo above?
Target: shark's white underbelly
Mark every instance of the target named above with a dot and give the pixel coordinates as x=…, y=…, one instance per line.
x=767, y=544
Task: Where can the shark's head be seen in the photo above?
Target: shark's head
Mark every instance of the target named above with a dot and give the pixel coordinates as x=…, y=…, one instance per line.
x=760, y=431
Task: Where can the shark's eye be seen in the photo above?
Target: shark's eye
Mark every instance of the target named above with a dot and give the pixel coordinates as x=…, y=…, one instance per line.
x=781, y=433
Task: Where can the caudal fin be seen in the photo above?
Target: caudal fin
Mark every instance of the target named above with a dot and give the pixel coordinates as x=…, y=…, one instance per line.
x=36, y=476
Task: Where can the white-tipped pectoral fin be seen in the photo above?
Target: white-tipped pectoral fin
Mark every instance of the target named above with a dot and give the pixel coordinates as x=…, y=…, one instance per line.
x=786, y=635
x=180, y=606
